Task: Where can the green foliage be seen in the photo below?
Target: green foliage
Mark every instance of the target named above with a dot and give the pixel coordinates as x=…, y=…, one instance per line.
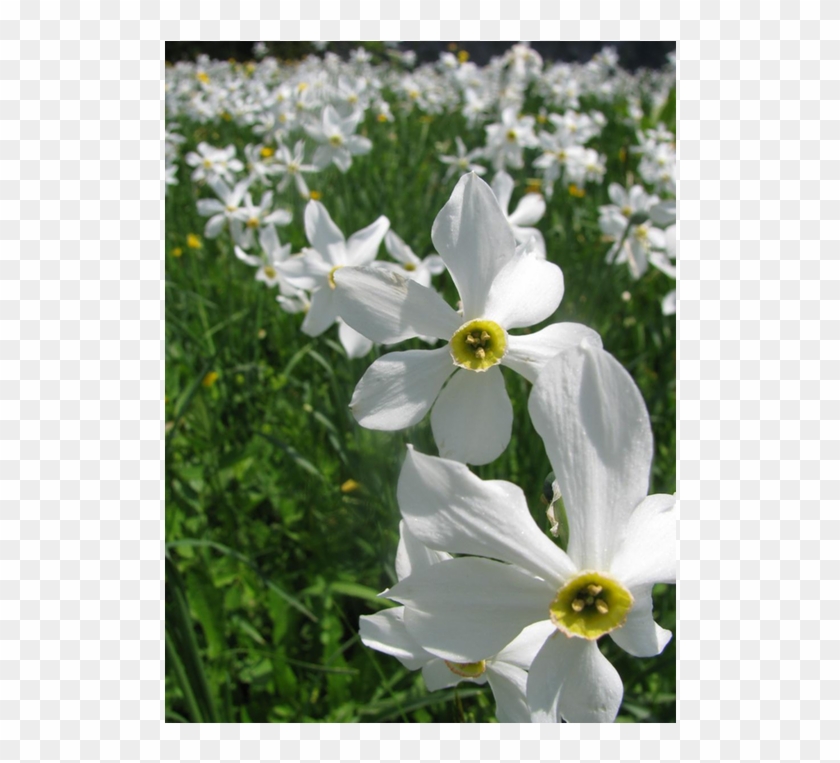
x=269, y=564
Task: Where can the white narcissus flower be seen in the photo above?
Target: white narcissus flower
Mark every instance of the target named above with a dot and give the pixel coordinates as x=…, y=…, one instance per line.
x=463, y=162
x=506, y=671
x=410, y=265
x=268, y=263
x=338, y=143
x=212, y=162
x=315, y=268
x=501, y=288
x=622, y=541
x=250, y=218
x=530, y=210
x=223, y=209
x=289, y=166
x=507, y=139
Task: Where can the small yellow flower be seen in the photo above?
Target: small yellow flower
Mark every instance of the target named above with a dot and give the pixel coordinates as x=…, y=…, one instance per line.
x=315, y=195
x=463, y=56
x=202, y=77
x=227, y=117
x=177, y=251
x=261, y=334
x=350, y=486
x=576, y=192
x=266, y=152
x=210, y=379
x=193, y=241
x=382, y=118
x=534, y=185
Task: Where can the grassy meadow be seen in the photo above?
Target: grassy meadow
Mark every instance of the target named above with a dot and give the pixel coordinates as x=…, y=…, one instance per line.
x=281, y=511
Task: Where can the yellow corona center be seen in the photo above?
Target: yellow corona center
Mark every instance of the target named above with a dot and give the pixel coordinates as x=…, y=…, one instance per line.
x=511, y=135
x=269, y=271
x=467, y=669
x=336, y=140
x=478, y=345
x=626, y=211
x=253, y=222
x=331, y=276
x=590, y=605
x=409, y=266
x=266, y=152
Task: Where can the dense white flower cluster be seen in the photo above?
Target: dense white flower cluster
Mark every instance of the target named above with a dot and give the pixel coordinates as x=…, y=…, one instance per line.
x=485, y=596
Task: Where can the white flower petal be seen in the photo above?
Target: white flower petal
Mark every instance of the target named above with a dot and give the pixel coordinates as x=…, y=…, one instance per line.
x=475, y=241
x=640, y=635
x=414, y=555
x=533, y=238
x=248, y=259
x=446, y=507
x=571, y=679
x=363, y=245
x=593, y=421
x=399, y=388
x=528, y=353
x=522, y=650
x=647, y=553
x=355, y=344
x=278, y=217
x=305, y=271
x=399, y=250
x=508, y=684
x=472, y=418
x=342, y=158
x=669, y=303
x=438, y=676
x=323, y=234
x=207, y=207
x=618, y=195
x=660, y=261
x=321, y=314
x=671, y=242
x=214, y=226
x=358, y=144
x=664, y=213
x=530, y=209
x=385, y=631
x=453, y=608
x=323, y=155
x=526, y=291
x=503, y=188
x=387, y=308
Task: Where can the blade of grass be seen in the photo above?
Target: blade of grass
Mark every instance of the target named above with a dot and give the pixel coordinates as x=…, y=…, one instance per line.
x=288, y=598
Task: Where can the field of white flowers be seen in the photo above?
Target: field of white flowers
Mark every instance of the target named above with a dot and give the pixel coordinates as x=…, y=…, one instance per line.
x=420, y=389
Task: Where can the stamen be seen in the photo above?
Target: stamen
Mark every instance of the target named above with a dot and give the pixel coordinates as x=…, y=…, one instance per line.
x=484, y=336
x=590, y=605
x=479, y=353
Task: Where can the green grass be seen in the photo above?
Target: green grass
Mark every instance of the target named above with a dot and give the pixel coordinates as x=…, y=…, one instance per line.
x=269, y=564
